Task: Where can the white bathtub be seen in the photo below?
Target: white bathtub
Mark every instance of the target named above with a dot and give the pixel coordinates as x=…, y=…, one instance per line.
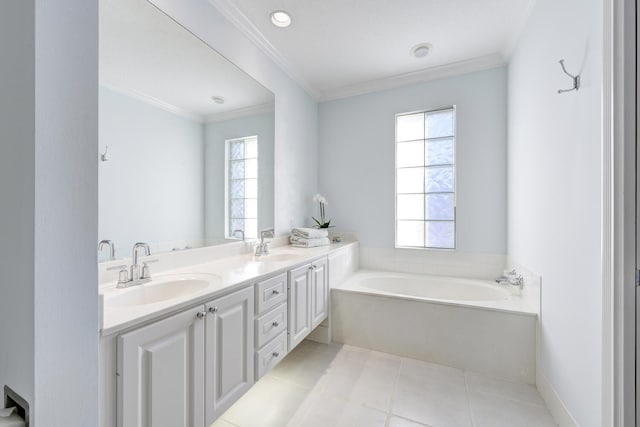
x=475, y=325
x=428, y=287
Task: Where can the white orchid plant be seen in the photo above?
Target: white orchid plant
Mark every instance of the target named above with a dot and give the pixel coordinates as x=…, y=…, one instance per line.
x=322, y=201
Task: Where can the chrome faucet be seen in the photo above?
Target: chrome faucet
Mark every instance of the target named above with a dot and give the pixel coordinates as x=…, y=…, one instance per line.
x=511, y=278
x=135, y=267
x=262, y=248
x=112, y=248
x=236, y=232
x=139, y=274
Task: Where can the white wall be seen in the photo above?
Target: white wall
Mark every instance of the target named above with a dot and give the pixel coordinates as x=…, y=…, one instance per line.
x=152, y=187
x=48, y=186
x=357, y=158
x=296, y=127
x=554, y=192
x=262, y=126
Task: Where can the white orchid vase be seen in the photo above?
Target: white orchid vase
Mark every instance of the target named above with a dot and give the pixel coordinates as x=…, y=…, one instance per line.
x=322, y=222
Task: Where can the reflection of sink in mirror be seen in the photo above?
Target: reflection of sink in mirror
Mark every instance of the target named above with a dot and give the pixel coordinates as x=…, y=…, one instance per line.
x=167, y=134
x=160, y=290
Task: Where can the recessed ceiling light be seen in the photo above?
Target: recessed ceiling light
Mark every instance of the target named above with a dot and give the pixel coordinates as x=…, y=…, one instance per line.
x=218, y=99
x=421, y=50
x=280, y=18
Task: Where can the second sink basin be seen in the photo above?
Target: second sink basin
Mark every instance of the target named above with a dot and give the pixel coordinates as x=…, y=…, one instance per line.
x=159, y=290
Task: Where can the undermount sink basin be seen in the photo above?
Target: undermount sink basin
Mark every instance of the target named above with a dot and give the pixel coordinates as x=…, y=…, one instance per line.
x=159, y=291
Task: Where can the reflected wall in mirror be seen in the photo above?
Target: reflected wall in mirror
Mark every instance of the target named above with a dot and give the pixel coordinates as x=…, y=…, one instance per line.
x=190, y=137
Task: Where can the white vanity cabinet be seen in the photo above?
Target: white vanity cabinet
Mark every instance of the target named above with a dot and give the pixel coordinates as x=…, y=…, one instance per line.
x=229, y=351
x=161, y=372
x=271, y=323
x=308, y=299
x=187, y=368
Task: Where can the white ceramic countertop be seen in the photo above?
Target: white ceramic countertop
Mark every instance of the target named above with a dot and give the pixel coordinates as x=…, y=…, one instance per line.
x=232, y=273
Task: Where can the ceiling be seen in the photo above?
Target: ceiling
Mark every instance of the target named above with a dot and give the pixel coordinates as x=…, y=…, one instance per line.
x=335, y=46
x=147, y=55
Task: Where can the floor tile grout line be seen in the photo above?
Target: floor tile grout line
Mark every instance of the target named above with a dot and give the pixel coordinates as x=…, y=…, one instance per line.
x=468, y=396
x=393, y=394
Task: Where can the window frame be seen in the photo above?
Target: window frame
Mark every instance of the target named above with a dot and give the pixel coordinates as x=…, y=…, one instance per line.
x=227, y=183
x=455, y=180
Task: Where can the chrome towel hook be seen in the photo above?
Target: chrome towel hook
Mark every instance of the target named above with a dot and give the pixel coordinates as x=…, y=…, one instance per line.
x=576, y=79
x=104, y=157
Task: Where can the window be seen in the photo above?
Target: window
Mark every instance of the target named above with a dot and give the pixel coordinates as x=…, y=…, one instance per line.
x=425, y=179
x=242, y=187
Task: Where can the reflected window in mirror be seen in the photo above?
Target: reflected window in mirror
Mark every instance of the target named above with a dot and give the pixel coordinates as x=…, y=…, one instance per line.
x=242, y=187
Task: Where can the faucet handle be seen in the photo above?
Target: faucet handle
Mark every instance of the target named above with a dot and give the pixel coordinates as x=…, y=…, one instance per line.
x=123, y=275
x=146, y=274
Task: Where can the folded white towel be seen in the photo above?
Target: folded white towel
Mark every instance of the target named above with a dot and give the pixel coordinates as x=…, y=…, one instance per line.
x=310, y=233
x=301, y=242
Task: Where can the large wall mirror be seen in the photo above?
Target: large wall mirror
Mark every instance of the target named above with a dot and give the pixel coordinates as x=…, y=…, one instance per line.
x=186, y=137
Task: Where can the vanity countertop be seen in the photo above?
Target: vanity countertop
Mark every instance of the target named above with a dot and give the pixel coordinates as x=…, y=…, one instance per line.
x=224, y=275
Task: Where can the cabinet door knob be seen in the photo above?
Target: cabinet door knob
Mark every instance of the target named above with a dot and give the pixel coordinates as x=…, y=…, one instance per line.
x=276, y=324
x=201, y=314
x=276, y=354
x=275, y=292
x=213, y=310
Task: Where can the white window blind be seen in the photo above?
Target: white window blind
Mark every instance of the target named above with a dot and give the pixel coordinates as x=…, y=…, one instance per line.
x=425, y=179
x=242, y=187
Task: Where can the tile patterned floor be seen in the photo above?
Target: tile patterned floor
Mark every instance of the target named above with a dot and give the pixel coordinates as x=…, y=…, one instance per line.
x=335, y=386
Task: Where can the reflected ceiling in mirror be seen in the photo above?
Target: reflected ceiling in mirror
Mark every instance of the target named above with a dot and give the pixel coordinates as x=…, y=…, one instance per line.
x=173, y=116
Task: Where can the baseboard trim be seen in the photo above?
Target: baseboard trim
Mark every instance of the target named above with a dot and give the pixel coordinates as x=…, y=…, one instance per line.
x=556, y=406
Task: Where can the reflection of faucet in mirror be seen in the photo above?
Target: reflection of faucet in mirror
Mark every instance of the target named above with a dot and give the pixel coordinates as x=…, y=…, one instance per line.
x=112, y=249
x=238, y=231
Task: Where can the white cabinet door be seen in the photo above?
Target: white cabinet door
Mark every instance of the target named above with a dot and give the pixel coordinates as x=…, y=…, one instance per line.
x=161, y=373
x=229, y=351
x=299, y=305
x=319, y=292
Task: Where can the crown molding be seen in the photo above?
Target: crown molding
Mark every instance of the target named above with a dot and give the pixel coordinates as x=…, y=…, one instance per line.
x=246, y=27
x=155, y=102
x=448, y=70
x=240, y=112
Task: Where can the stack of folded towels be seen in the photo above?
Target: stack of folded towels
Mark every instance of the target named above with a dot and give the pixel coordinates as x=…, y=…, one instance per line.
x=309, y=237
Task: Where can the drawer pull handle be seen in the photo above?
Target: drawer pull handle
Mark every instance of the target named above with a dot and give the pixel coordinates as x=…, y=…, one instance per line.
x=201, y=314
x=275, y=324
x=213, y=310
x=275, y=292
x=276, y=354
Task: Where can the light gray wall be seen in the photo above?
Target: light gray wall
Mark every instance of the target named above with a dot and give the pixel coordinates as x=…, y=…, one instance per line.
x=17, y=192
x=555, y=192
x=48, y=186
x=261, y=125
x=296, y=113
x=357, y=158
x=152, y=187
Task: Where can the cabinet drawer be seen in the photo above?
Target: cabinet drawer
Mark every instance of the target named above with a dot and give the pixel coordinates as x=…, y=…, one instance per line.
x=270, y=355
x=270, y=325
x=270, y=293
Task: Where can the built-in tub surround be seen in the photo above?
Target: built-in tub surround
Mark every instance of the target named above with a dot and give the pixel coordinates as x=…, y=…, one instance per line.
x=470, y=324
